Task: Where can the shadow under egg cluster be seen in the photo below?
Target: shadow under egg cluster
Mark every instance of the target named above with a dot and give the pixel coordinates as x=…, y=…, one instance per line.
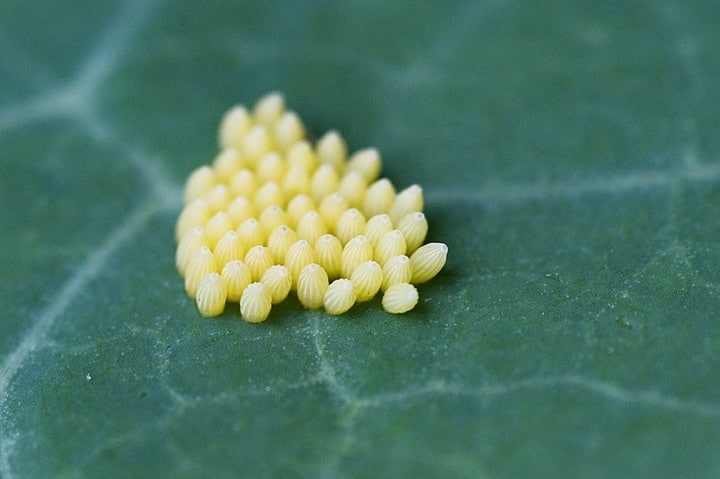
x=276, y=214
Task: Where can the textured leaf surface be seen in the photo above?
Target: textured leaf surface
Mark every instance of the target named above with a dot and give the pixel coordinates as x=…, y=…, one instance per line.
x=570, y=156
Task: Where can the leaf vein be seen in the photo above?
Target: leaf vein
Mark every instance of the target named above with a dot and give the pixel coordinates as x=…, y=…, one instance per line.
x=615, y=185
x=649, y=398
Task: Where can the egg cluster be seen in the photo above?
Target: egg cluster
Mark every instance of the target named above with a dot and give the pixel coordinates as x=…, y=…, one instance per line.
x=275, y=213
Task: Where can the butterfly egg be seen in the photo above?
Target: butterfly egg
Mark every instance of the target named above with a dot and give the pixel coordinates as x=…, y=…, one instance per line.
x=299, y=255
x=353, y=188
x=202, y=262
x=367, y=280
x=414, y=227
x=427, y=261
x=199, y=183
x=234, y=126
x=367, y=163
x=379, y=198
x=400, y=298
x=277, y=282
x=330, y=209
x=272, y=217
x=390, y=244
x=356, y=251
x=255, y=303
x=298, y=207
x=268, y=194
x=211, y=295
x=302, y=154
x=324, y=181
x=339, y=297
x=296, y=181
x=240, y=209
x=312, y=283
x=376, y=227
x=269, y=108
x=288, y=130
x=328, y=251
x=396, y=270
x=258, y=259
x=311, y=227
x=271, y=167
x=237, y=277
x=218, y=224
x=218, y=198
x=332, y=150
x=407, y=201
x=195, y=213
x=227, y=163
x=251, y=233
x=256, y=144
x=244, y=183
x=228, y=248
x=350, y=224
x=191, y=241
x=280, y=241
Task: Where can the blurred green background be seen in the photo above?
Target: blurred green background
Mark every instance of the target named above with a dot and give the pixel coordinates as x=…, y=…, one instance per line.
x=569, y=151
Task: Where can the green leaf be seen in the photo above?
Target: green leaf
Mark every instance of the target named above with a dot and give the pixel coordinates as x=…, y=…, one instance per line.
x=569, y=152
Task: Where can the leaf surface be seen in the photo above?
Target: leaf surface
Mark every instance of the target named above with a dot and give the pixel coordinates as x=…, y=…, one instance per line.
x=569, y=156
